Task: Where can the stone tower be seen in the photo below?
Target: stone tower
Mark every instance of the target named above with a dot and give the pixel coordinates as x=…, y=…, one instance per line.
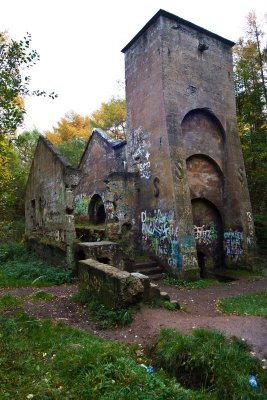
x=193, y=209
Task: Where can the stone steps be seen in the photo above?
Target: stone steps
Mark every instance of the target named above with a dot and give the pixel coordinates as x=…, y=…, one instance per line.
x=149, y=268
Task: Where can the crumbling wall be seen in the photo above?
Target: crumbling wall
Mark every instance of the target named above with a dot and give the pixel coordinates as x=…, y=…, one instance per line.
x=101, y=157
x=49, y=205
x=114, y=288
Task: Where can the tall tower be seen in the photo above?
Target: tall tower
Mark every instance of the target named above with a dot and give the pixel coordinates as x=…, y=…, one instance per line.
x=194, y=211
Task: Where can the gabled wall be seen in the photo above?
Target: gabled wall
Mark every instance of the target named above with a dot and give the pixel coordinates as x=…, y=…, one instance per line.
x=49, y=204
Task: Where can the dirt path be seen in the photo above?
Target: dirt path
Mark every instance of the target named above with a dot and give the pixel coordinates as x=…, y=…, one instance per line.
x=200, y=312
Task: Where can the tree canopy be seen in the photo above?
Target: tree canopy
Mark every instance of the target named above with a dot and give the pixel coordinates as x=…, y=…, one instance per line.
x=15, y=58
x=111, y=117
x=71, y=126
x=250, y=67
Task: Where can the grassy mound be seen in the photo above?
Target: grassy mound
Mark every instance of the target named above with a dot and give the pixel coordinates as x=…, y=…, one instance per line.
x=207, y=360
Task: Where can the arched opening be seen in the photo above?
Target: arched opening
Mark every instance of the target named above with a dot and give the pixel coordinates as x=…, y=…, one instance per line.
x=205, y=178
x=96, y=210
x=203, y=133
x=208, y=230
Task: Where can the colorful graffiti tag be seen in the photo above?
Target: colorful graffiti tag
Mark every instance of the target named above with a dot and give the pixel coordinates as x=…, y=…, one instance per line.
x=233, y=244
x=160, y=234
x=81, y=203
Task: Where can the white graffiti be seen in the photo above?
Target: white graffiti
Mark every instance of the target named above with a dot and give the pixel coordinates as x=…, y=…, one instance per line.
x=140, y=152
x=205, y=236
x=250, y=237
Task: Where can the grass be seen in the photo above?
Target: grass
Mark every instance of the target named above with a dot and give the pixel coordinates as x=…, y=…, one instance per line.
x=198, y=284
x=207, y=360
x=20, y=268
x=42, y=296
x=104, y=317
x=159, y=302
x=44, y=360
x=8, y=301
x=250, y=304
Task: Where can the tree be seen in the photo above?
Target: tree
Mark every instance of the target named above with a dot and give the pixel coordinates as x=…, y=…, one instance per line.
x=70, y=127
x=72, y=150
x=15, y=57
x=24, y=145
x=111, y=117
x=250, y=67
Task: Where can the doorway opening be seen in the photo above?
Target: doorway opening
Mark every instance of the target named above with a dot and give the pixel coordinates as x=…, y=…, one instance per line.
x=201, y=263
x=96, y=209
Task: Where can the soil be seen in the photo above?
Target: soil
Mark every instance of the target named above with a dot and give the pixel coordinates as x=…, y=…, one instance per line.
x=198, y=305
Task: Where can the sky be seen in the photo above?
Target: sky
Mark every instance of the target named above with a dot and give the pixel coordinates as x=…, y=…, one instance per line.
x=80, y=42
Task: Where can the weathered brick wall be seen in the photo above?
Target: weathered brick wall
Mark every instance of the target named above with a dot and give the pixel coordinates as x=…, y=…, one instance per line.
x=49, y=204
x=183, y=140
x=101, y=158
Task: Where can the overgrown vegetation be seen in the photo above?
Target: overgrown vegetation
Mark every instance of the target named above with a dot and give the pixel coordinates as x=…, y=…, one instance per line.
x=45, y=360
x=104, y=317
x=207, y=360
x=39, y=360
x=8, y=301
x=18, y=267
x=182, y=284
x=42, y=296
x=250, y=304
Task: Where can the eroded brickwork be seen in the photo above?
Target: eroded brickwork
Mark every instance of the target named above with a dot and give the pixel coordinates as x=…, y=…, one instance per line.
x=177, y=189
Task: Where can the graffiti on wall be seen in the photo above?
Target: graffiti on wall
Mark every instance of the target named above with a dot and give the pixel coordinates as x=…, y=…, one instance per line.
x=250, y=237
x=81, y=203
x=139, y=151
x=205, y=234
x=160, y=234
x=233, y=244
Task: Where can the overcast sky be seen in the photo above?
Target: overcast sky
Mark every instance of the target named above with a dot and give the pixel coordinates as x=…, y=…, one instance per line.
x=80, y=42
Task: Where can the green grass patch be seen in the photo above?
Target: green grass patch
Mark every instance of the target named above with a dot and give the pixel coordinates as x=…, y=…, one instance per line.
x=8, y=301
x=207, y=360
x=44, y=360
x=182, y=284
x=42, y=296
x=159, y=302
x=18, y=268
x=250, y=304
x=104, y=317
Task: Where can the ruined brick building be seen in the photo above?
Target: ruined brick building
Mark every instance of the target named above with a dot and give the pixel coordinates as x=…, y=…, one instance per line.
x=176, y=190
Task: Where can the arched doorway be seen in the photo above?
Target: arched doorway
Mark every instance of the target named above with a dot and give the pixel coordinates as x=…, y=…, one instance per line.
x=96, y=210
x=208, y=230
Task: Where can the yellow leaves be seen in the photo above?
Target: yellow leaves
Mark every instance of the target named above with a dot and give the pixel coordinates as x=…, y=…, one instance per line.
x=111, y=117
x=70, y=127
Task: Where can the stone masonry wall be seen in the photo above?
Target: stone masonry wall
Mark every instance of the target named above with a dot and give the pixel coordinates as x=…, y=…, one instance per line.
x=49, y=205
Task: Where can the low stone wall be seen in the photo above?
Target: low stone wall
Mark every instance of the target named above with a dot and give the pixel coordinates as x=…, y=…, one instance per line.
x=107, y=250
x=113, y=287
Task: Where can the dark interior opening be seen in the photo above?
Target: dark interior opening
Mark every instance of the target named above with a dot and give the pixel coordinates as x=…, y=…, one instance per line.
x=97, y=213
x=104, y=260
x=201, y=263
x=100, y=214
